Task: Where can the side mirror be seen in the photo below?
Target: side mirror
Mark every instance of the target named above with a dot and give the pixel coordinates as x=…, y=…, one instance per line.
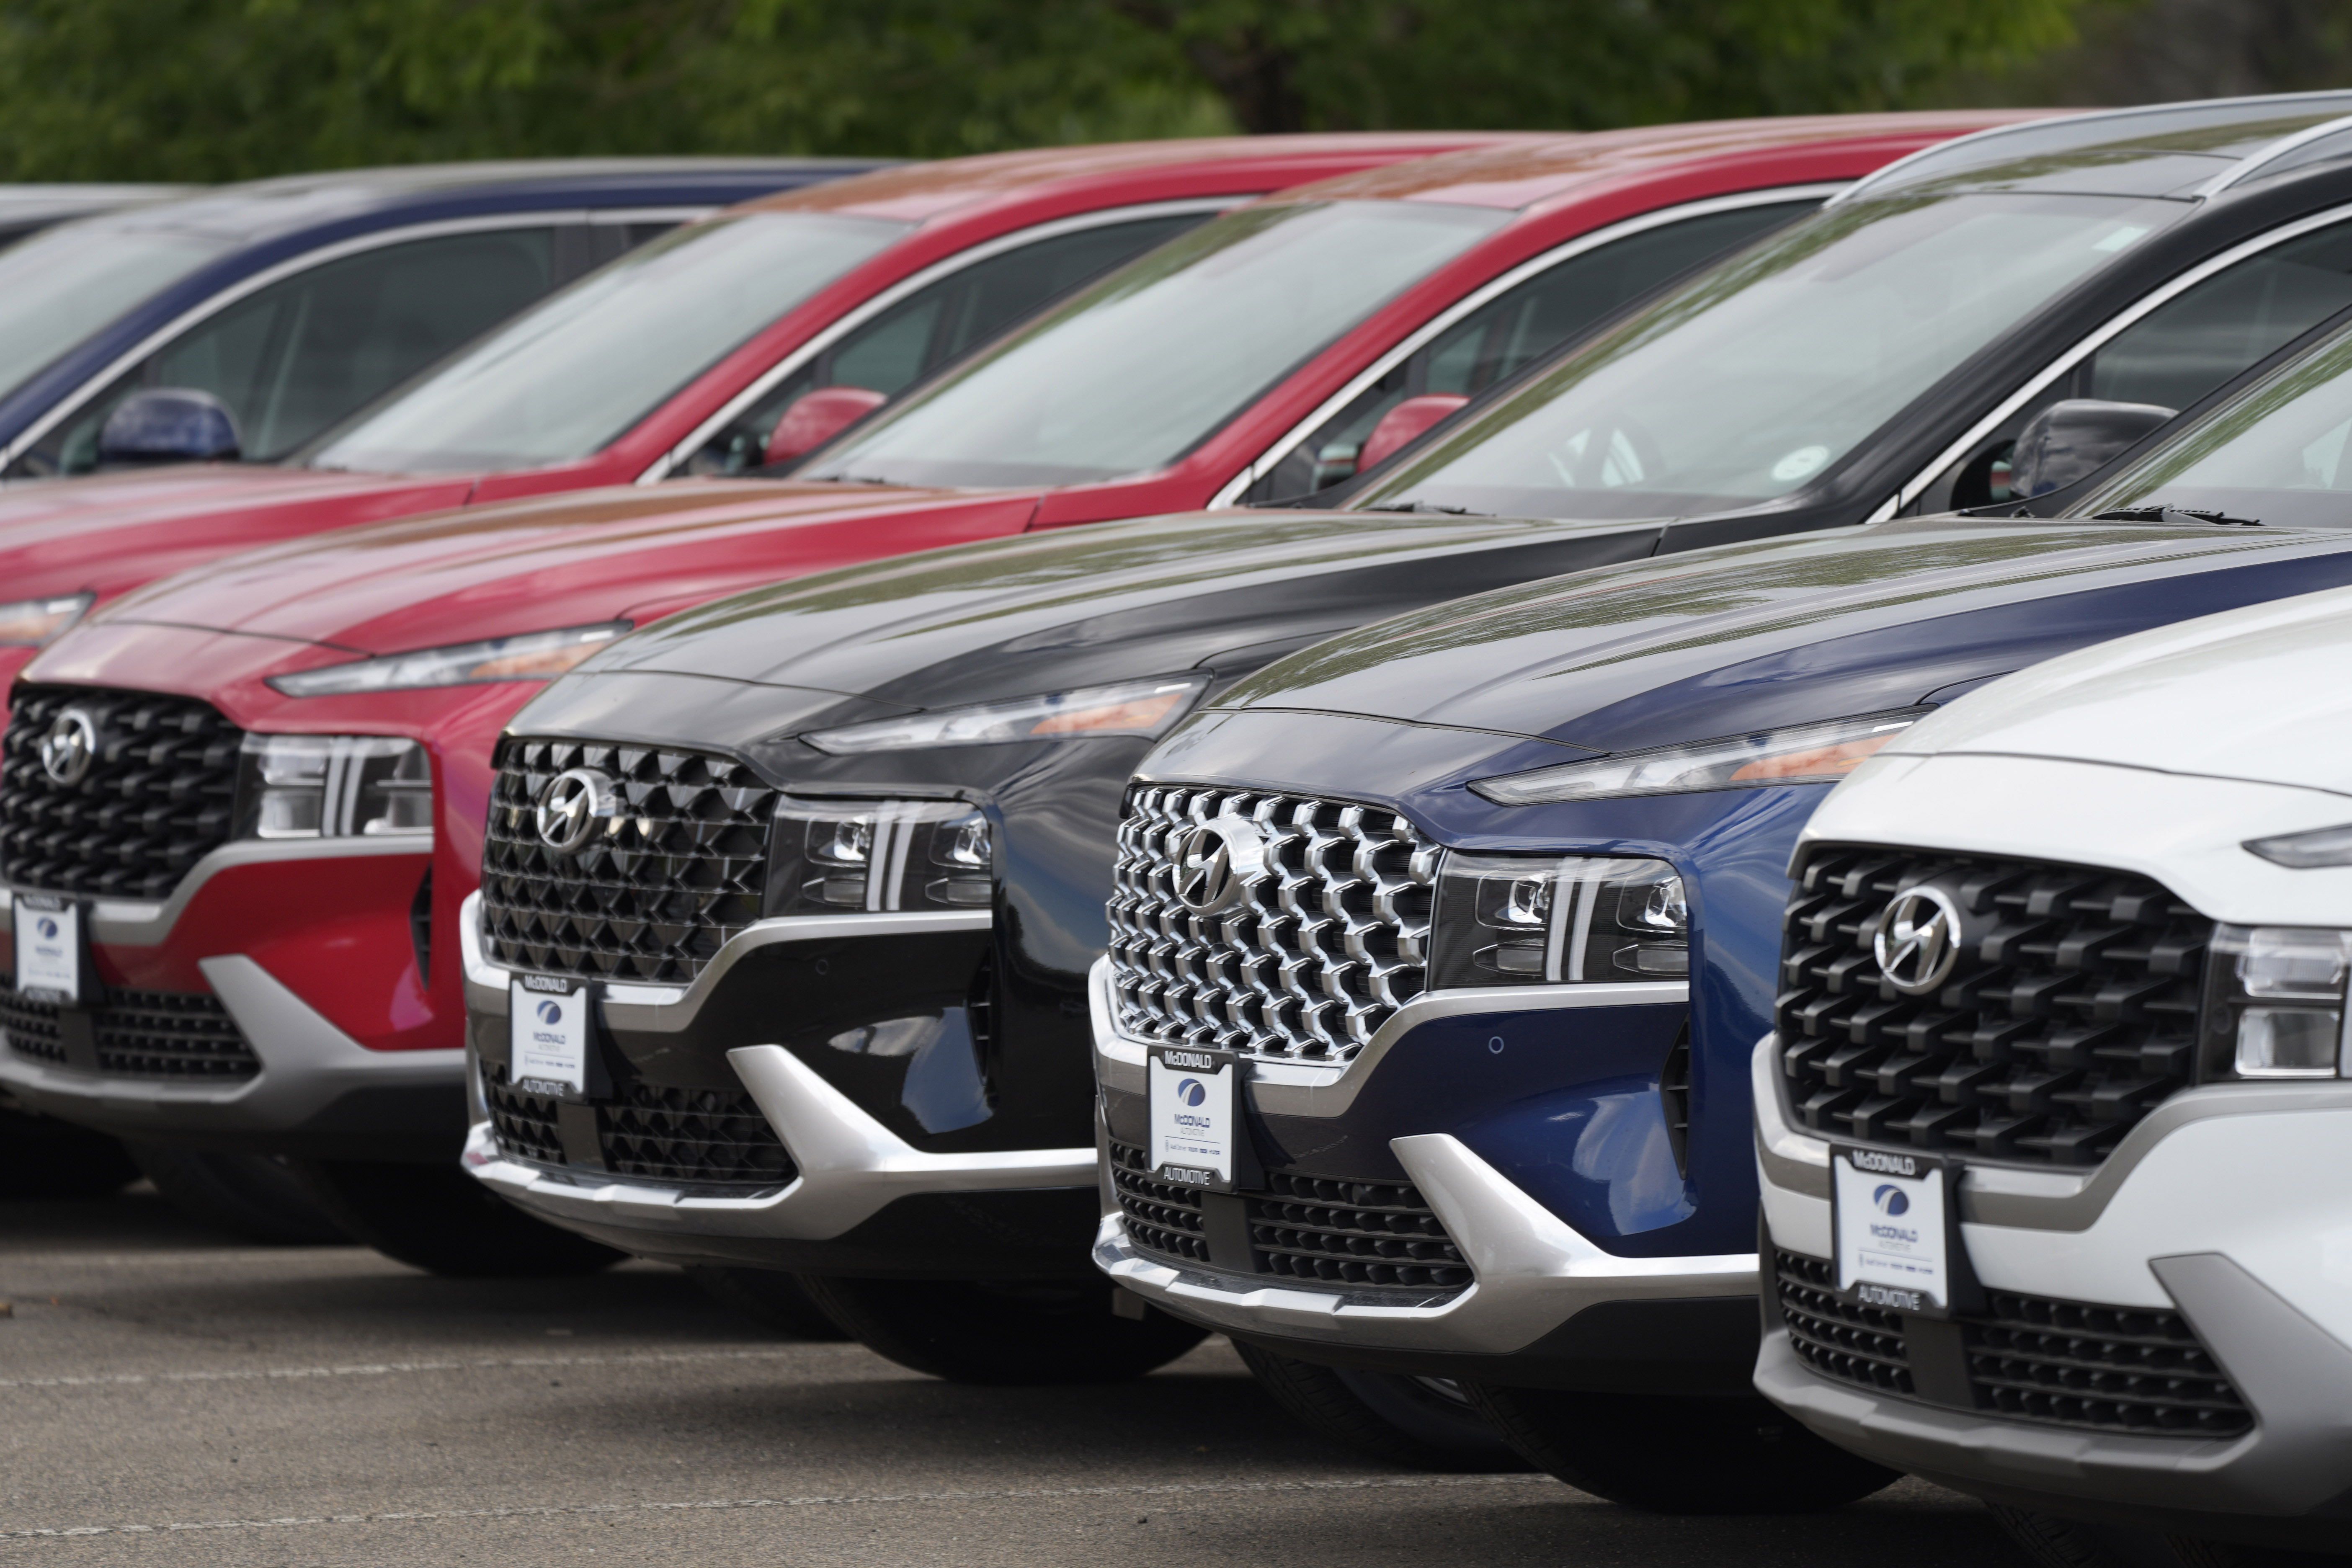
x=1406, y=421
x=166, y=424
x=817, y=417
x=2074, y=438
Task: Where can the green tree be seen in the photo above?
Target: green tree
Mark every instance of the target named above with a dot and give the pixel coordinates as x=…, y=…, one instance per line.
x=227, y=89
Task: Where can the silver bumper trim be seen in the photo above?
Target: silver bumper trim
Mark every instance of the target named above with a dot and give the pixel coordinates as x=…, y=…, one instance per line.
x=306, y=1064
x=670, y=1009
x=1534, y=1271
x=850, y=1167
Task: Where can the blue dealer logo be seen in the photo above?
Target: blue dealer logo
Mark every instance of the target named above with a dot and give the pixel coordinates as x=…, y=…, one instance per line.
x=1190, y=1092
x=47, y=928
x=1890, y=1200
x=549, y=1012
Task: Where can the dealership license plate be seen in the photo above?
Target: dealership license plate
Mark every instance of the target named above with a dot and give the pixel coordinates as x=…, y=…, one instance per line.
x=1193, y=1127
x=548, y=1025
x=1891, y=1215
x=49, y=945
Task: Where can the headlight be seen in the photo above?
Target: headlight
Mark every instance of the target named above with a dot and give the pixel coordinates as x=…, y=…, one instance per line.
x=1803, y=753
x=332, y=787
x=29, y=623
x=1529, y=919
x=831, y=856
x=534, y=656
x=1130, y=708
x=2275, y=1003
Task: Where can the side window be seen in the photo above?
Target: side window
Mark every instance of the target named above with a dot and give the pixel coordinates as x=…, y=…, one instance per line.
x=1512, y=331
x=938, y=325
x=300, y=355
x=2181, y=350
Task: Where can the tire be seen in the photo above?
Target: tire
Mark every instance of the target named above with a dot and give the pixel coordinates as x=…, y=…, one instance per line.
x=440, y=1219
x=1417, y=1423
x=777, y=1302
x=2054, y=1542
x=253, y=1196
x=41, y=1157
x=1680, y=1453
x=1003, y=1332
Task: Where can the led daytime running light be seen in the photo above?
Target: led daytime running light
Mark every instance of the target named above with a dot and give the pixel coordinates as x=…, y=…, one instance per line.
x=1802, y=754
x=29, y=623
x=1129, y=707
x=534, y=656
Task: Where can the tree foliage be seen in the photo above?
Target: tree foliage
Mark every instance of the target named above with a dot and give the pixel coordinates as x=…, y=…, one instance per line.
x=210, y=89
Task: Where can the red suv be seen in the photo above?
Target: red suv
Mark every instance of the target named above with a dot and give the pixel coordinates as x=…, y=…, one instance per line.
x=682, y=357
x=247, y=806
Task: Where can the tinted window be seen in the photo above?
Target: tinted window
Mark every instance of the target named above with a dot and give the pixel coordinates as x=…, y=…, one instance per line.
x=58, y=288
x=576, y=372
x=938, y=325
x=292, y=359
x=1760, y=375
x=2183, y=350
x=1513, y=330
x=1140, y=368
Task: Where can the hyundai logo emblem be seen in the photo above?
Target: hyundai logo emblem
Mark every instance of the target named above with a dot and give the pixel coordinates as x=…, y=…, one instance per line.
x=1890, y=1200
x=571, y=805
x=1917, y=944
x=549, y=1012
x=1191, y=1091
x=69, y=748
x=46, y=927
x=1216, y=862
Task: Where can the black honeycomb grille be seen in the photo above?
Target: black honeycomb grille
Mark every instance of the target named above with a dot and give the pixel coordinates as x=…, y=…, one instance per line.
x=695, y=1136
x=1160, y=1216
x=2072, y=1012
x=1845, y=1340
x=681, y=868
x=1354, y=1232
x=160, y=794
x=136, y=1034
x=526, y=1124
x=2112, y=1368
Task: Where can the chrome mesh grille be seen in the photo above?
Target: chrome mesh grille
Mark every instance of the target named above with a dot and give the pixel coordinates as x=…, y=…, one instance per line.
x=1321, y=950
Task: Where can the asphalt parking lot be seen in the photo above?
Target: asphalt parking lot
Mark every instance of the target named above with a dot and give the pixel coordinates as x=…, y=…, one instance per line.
x=167, y=1395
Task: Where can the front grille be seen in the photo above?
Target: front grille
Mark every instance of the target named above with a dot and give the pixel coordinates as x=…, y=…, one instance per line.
x=2113, y=1368
x=682, y=868
x=1840, y=1338
x=1322, y=949
x=2073, y=1012
x=2057, y=1363
x=1162, y=1216
x=700, y=1136
x=137, y=1034
x=1319, y=1230
x=160, y=794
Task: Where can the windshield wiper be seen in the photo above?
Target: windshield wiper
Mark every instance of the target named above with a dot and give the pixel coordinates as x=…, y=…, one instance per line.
x=2161, y=513
x=1430, y=506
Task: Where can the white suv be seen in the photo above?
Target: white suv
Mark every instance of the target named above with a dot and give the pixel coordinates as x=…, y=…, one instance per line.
x=2056, y=1125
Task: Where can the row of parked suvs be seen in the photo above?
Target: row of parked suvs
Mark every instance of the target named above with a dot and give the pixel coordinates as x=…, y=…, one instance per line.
x=647, y=766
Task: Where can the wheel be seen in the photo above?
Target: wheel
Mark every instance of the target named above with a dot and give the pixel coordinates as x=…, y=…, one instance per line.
x=41, y=1157
x=2054, y=1542
x=1007, y=1332
x=440, y=1219
x=251, y=1195
x=1423, y=1423
x=776, y=1301
x=1679, y=1453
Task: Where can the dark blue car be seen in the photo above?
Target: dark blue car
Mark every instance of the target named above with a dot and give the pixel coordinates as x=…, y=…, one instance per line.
x=1534, y=846
x=296, y=300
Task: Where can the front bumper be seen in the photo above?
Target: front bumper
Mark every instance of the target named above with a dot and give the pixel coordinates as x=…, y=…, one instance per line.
x=2224, y=1205
x=314, y=926
x=1547, y=1305
x=860, y=1199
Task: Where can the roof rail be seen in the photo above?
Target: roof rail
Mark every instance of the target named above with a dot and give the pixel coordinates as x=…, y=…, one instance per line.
x=1900, y=168
x=2285, y=149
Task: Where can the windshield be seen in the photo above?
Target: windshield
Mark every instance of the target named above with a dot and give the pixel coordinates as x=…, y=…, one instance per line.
x=2276, y=453
x=1761, y=373
x=571, y=376
x=1136, y=371
x=57, y=289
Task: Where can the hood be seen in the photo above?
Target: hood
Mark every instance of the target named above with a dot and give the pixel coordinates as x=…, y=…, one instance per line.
x=2259, y=694
x=1749, y=636
x=566, y=560
x=1047, y=611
